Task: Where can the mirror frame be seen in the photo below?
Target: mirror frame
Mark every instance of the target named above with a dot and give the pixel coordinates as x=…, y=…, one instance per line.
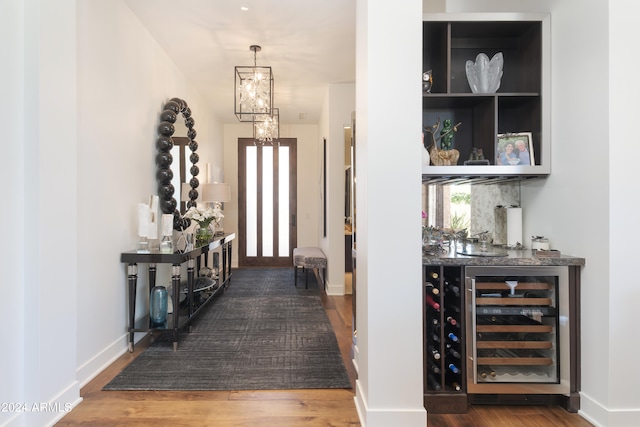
x=164, y=159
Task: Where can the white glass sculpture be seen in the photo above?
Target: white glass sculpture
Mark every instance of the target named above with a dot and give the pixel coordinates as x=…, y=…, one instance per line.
x=484, y=75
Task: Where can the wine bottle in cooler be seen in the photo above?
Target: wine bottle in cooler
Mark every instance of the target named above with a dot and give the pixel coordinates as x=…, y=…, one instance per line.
x=453, y=310
x=453, y=381
x=452, y=335
x=453, y=352
x=433, y=368
x=486, y=372
x=452, y=367
x=433, y=322
x=452, y=289
x=433, y=382
x=534, y=294
x=434, y=337
x=431, y=302
x=431, y=289
x=451, y=320
x=433, y=352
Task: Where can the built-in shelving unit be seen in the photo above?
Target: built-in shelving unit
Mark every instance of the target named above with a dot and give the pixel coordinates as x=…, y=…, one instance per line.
x=521, y=104
x=445, y=349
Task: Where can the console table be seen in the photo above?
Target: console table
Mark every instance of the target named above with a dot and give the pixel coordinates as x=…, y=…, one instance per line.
x=178, y=318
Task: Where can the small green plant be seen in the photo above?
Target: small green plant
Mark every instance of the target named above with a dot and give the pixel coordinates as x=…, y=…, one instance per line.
x=459, y=222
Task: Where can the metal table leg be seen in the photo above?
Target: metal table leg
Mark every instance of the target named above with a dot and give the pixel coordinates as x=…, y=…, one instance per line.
x=175, y=284
x=132, y=276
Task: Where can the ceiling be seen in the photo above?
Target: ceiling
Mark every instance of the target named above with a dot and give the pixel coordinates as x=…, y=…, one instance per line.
x=308, y=44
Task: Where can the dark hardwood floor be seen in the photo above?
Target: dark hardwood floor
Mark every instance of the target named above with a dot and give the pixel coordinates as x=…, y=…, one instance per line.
x=282, y=408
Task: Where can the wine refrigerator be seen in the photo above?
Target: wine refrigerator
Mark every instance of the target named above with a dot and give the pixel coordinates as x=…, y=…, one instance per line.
x=517, y=330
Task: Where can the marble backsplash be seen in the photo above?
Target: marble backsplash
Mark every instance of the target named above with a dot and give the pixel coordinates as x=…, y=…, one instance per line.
x=485, y=198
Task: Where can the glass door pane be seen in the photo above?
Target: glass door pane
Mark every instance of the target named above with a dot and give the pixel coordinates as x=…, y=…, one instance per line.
x=267, y=201
x=516, y=321
x=283, y=202
x=251, y=207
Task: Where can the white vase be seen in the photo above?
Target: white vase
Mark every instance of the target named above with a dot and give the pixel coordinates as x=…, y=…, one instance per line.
x=484, y=75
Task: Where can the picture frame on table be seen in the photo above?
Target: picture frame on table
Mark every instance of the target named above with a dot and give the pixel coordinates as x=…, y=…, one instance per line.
x=515, y=149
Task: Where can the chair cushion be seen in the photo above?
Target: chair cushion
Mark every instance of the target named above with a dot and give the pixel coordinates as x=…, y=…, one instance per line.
x=309, y=257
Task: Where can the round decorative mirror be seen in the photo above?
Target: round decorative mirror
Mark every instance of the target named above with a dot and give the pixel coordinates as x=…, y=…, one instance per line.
x=164, y=159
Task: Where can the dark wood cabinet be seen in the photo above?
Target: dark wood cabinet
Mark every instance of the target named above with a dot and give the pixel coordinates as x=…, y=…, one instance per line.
x=484, y=343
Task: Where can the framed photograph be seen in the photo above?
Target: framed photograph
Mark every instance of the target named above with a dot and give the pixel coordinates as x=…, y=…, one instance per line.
x=515, y=149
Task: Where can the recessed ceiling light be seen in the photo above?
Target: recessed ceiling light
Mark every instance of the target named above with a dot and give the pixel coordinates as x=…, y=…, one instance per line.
x=244, y=8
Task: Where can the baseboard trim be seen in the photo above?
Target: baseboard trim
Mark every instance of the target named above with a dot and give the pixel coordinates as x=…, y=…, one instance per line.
x=601, y=416
x=49, y=413
x=387, y=417
x=98, y=363
x=334, y=290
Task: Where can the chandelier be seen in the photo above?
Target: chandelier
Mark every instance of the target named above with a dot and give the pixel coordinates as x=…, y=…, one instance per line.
x=254, y=90
x=266, y=128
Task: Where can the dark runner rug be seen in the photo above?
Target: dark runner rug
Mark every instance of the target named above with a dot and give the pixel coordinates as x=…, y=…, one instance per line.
x=262, y=333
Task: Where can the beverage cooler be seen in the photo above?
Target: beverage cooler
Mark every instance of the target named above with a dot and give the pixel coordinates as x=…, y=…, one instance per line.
x=517, y=330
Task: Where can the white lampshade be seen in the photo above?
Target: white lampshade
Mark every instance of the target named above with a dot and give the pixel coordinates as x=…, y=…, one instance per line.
x=184, y=192
x=216, y=192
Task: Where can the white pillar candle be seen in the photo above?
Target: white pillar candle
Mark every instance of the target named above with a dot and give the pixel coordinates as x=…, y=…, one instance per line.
x=167, y=225
x=143, y=220
x=514, y=226
x=153, y=217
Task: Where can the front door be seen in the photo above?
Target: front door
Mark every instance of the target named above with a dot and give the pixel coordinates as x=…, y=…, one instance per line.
x=267, y=203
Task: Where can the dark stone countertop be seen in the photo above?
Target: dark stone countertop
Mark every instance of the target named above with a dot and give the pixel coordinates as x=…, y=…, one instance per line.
x=513, y=257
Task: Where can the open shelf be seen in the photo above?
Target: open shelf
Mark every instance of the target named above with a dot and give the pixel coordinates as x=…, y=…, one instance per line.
x=521, y=103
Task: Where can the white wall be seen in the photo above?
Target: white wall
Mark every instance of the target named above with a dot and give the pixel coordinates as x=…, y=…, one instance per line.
x=624, y=188
x=40, y=286
x=579, y=177
x=309, y=185
x=94, y=83
x=124, y=80
x=389, y=354
x=338, y=105
x=12, y=177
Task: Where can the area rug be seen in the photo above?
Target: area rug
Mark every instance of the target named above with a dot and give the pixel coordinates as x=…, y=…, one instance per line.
x=262, y=333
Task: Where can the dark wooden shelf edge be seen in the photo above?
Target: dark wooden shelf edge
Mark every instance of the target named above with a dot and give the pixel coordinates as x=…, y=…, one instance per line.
x=570, y=403
x=478, y=95
x=446, y=403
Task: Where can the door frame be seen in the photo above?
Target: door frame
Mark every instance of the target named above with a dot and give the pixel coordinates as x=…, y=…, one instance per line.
x=260, y=261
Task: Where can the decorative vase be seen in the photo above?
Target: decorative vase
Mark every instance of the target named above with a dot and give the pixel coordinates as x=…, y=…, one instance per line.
x=204, y=235
x=158, y=305
x=484, y=75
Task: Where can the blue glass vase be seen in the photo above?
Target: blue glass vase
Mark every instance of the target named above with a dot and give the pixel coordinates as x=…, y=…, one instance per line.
x=158, y=305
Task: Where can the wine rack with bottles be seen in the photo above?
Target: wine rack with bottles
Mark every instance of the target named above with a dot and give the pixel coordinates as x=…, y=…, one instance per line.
x=501, y=334
x=521, y=334
x=516, y=339
x=444, y=340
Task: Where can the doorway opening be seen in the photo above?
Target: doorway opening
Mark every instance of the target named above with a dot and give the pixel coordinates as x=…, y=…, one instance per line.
x=267, y=203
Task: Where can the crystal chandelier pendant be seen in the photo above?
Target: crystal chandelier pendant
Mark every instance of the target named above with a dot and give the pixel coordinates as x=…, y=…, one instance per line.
x=266, y=128
x=254, y=90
